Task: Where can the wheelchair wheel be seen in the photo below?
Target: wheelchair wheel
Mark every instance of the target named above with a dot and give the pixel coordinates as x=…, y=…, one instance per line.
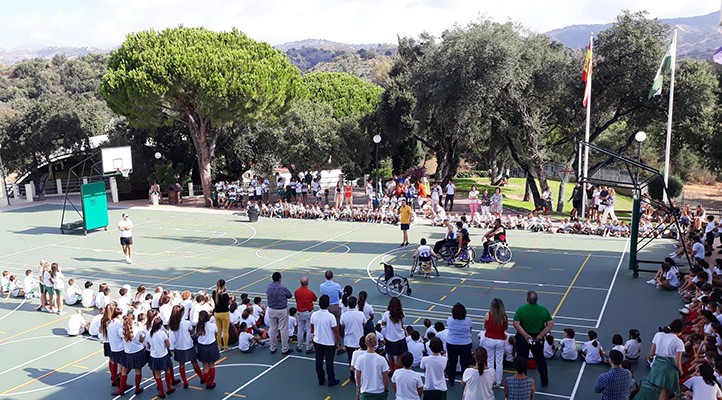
x=396, y=286
x=502, y=254
x=433, y=267
x=414, y=267
x=382, y=285
x=472, y=254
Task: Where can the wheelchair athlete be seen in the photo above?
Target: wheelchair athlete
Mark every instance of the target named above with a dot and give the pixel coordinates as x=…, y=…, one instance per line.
x=450, y=240
x=497, y=234
x=463, y=239
x=424, y=254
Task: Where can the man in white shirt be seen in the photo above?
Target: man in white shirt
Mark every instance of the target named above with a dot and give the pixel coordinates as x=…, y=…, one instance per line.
x=325, y=336
x=372, y=370
x=450, y=191
x=125, y=226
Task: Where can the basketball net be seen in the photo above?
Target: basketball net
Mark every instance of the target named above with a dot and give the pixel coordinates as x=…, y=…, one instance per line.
x=125, y=172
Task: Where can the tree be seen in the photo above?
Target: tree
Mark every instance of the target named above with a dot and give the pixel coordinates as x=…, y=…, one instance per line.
x=347, y=95
x=50, y=127
x=205, y=80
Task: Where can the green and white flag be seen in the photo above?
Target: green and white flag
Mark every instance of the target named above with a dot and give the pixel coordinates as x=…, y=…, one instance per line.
x=668, y=64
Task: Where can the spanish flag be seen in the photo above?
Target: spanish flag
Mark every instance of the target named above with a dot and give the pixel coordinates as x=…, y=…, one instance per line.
x=587, y=75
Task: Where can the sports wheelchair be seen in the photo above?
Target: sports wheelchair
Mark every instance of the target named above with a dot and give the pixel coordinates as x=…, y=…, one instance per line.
x=500, y=251
x=424, y=267
x=392, y=284
x=448, y=253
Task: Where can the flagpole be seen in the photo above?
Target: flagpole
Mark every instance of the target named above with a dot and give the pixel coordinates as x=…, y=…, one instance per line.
x=586, y=133
x=670, y=112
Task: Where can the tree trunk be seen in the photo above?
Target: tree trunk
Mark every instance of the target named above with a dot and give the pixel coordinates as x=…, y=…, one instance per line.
x=496, y=172
x=527, y=189
x=531, y=186
x=205, y=147
x=562, y=192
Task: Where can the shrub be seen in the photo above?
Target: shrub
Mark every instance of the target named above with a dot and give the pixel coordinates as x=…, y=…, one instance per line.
x=475, y=173
x=674, y=189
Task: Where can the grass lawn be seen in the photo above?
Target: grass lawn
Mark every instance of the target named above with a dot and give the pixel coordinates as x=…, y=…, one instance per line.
x=514, y=193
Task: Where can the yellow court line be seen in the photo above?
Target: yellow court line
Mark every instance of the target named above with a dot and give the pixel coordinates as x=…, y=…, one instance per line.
x=357, y=280
x=442, y=298
x=293, y=265
x=452, y=289
x=37, y=327
x=327, y=398
x=570, y=285
x=557, y=269
x=195, y=387
x=484, y=287
x=346, y=382
x=80, y=366
x=432, y=307
x=220, y=262
x=235, y=395
x=417, y=320
x=52, y=372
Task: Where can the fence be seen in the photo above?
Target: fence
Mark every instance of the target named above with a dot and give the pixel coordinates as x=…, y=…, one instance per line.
x=53, y=187
x=554, y=171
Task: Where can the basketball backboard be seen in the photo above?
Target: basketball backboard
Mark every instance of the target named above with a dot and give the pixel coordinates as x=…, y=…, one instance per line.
x=117, y=160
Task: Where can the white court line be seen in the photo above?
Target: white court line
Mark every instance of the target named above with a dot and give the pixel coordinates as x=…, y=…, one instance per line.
x=255, y=378
x=288, y=256
x=41, y=357
x=518, y=283
x=32, y=249
x=579, y=379
x=611, y=285
x=348, y=249
x=57, y=384
x=13, y=310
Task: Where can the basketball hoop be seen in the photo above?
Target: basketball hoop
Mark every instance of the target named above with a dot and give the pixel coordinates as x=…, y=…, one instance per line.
x=125, y=172
x=566, y=173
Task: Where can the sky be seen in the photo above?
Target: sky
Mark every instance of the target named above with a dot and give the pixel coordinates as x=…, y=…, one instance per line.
x=104, y=23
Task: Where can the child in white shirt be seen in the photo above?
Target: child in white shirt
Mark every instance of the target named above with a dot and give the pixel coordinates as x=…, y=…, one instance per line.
x=73, y=294
x=550, y=349
x=434, y=366
x=30, y=285
x=416, y=348
x=4, y=280
x=569, y=346
x=88, y=295
x=633, y=347
x=246, y=341
x=618, y=344
x=591, y=350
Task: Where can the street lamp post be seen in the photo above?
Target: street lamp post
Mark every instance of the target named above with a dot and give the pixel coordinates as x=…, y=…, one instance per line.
x=640, y=137
x=377, y=140
x=2, y=172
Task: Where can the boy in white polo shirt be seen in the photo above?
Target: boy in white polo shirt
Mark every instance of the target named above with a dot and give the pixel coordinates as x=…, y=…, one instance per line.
x=30, y=285
x=372, y=372
x=434, y=366
x=407, y=383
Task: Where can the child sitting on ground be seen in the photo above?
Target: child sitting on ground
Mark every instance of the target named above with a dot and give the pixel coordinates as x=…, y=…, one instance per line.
x=569, y=346
x=30, y=285
x=73, y=294
x=88, y=295
x=591, y=350
x=246, y=341
x=416, y=348
x=550, y=349
x=633, y=347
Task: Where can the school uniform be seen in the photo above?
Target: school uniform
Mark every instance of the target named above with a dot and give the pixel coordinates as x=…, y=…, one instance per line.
x=115, y=338
x=182, y=343
x=569, y=349
x=159, y=353
x=207, y=346
x=633, y=349
x=135, y=357
x=88, y=298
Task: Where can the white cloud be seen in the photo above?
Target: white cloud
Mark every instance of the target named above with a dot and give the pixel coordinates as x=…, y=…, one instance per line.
x=104, y=23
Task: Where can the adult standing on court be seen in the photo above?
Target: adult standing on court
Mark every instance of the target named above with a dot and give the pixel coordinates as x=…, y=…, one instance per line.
x=125, y=226
x=277, y=296
x=304, y=304
x=325, y=336
x=222, y=302
x=458, y=341
x=348, y=194
x=334, y=292
x=532, y=322
x=405, y=213
x=495, y=325
x=450, y=191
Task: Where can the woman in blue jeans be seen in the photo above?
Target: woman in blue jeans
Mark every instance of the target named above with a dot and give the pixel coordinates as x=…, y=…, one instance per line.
x=458, y=341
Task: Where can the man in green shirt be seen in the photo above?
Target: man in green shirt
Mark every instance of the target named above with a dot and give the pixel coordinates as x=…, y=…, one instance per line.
x=533, y=322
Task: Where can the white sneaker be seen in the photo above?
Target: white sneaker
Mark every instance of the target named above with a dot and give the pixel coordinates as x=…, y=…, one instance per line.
x=652, y=282
x=129, y=260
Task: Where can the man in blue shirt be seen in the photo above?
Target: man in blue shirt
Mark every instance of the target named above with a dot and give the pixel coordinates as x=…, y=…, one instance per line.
x=614, y=384
x=334, y=293
x=277, y=296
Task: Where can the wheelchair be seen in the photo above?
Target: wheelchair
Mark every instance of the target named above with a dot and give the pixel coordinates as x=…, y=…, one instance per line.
x=500, y=251
x=448, y=253
x=424, y=267
x=391, y=284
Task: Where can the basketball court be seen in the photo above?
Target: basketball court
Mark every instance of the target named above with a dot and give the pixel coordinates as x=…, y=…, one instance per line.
x=583, y=280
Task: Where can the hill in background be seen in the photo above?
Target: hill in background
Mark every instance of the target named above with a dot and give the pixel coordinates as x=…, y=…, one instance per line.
x=698, y=37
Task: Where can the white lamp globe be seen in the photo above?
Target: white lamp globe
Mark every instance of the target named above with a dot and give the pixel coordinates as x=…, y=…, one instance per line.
x=377, y=139
x=640, y=136
x=158, y=155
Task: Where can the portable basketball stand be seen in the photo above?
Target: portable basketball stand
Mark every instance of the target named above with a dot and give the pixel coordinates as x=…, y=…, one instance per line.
x=635, y=183
x=93, y=207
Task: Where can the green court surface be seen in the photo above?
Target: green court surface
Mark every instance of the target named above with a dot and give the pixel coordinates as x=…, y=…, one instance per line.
x=583, y=281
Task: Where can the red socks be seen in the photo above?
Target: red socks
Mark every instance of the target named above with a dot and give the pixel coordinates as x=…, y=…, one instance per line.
x=159, y=384
x=138, y=378
x=169, y=381
x=182, y=372
x=211, y=376
x=199, y=372
x=113, y=367
x=122, y=387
